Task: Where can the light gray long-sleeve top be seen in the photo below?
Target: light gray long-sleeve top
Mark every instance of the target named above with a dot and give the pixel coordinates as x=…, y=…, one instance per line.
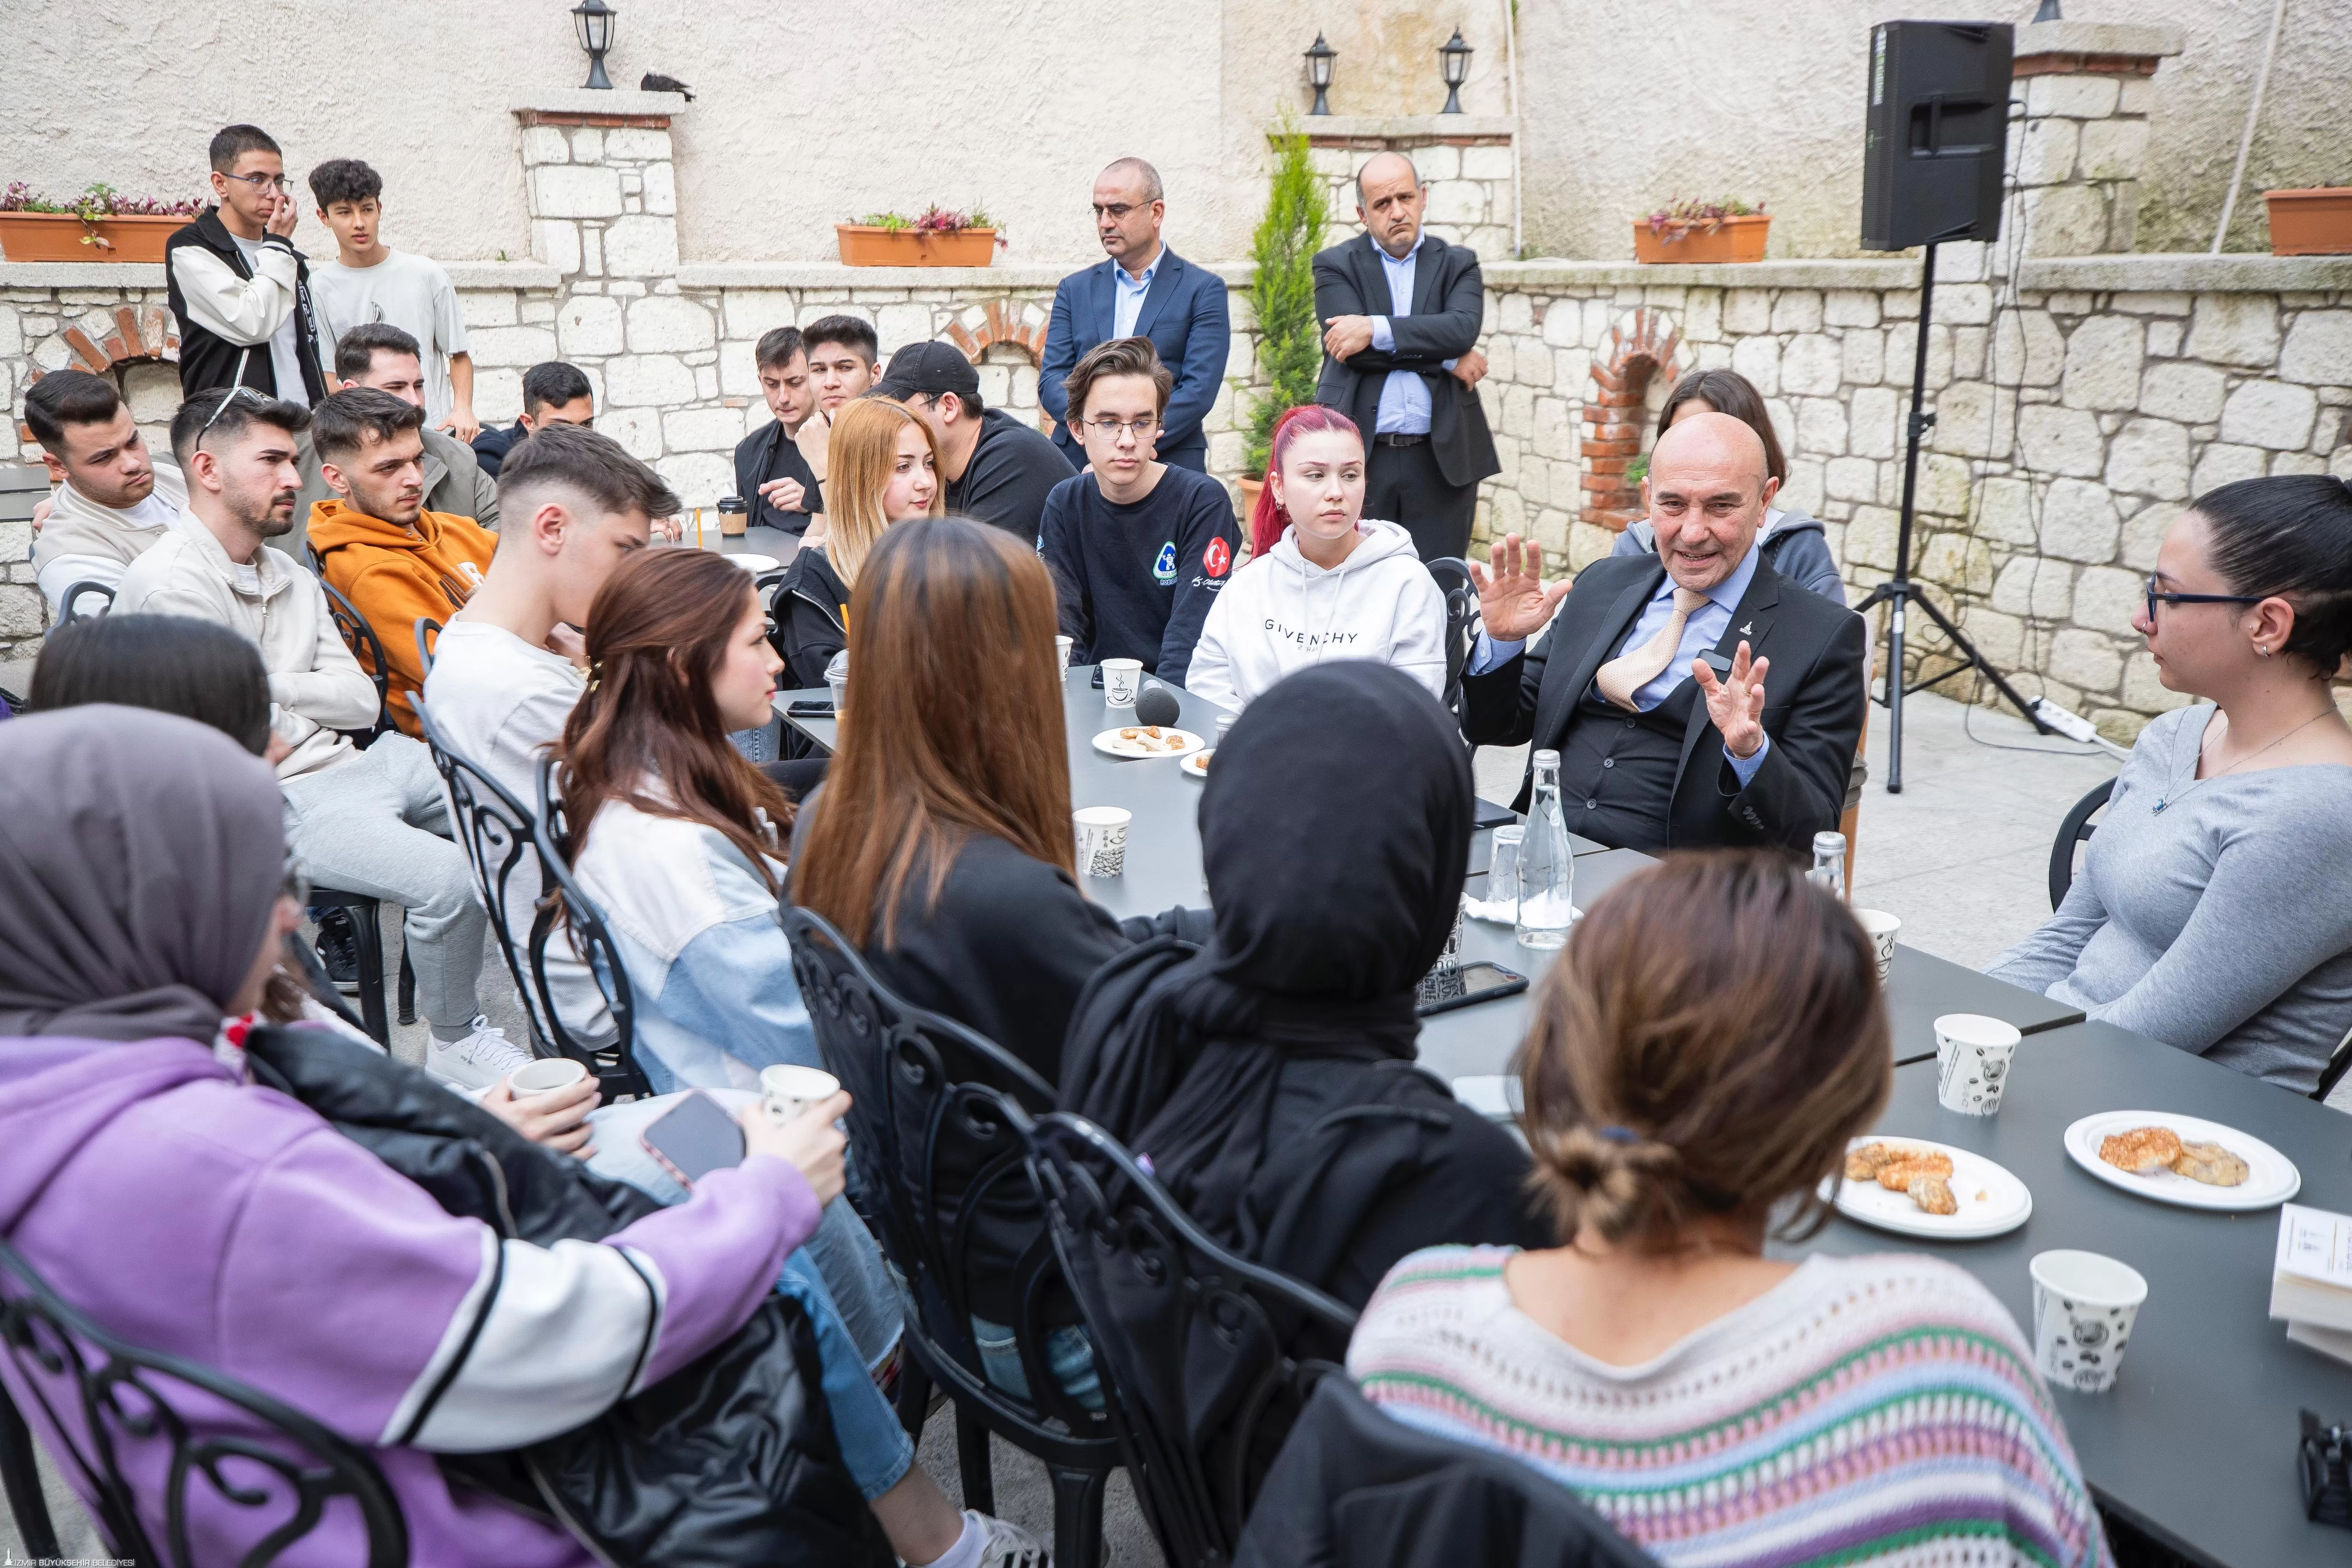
x=2220, y=923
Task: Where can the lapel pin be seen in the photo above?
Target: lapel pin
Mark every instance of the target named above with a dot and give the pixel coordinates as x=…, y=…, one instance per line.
x=1748, y=629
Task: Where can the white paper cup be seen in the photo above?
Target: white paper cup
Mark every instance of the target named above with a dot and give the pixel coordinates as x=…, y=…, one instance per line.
x=544, y=1076
x=2084, y=1305
x=1973, y=1057
x=1062, y=646
x=1102, y=839
x=788, y=1091
x=1881, y=929
x=1122, y=679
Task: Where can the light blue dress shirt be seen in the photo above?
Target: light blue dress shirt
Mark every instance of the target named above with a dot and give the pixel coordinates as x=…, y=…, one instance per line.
x=1127, y=293
x=1701, y=633
x=1404, y=396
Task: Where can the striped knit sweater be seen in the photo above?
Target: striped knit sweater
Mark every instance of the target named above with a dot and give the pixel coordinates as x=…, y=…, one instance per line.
x=1881, y=1409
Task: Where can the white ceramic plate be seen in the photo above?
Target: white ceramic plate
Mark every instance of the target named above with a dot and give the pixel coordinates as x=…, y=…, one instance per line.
x=2271, y=1176
x=1109, y=743
x=756, y=564
x=1992, y=1202
x=1197, y=764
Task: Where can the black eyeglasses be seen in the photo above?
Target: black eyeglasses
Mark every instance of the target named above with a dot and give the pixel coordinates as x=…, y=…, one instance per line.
x=2156, y=597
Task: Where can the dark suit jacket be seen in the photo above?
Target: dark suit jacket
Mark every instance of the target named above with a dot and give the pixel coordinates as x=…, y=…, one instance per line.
x=1813, y=699
x=1185, y=317
x=1449, y=308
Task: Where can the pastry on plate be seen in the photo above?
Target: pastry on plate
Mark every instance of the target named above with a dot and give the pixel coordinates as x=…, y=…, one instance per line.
x=2142, y=1151
x=1933, y=1193
x=1913, y=1163
x=2211, y=1164
x=1865, y=1163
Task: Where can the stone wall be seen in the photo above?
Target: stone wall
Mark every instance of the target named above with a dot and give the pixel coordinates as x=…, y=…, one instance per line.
x=1466, y=161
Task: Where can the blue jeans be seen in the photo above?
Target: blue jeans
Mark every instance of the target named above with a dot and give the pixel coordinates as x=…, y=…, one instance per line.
x=838, y=1277
x=1069, y=1357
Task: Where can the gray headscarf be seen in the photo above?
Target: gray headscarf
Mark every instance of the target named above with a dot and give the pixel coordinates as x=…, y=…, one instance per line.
x=141, y=855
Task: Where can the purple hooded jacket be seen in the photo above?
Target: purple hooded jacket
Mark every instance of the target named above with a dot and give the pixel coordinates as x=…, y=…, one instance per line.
x=194, y=1215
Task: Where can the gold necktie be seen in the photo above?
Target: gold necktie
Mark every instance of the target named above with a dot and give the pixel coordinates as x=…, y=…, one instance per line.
x=1622, y=676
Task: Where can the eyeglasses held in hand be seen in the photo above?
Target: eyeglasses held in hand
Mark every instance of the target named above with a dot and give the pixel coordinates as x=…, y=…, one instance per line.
x=1110, y=429
x=2157, y=597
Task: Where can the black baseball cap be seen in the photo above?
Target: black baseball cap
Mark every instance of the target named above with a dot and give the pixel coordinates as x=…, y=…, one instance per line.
x=927, y=370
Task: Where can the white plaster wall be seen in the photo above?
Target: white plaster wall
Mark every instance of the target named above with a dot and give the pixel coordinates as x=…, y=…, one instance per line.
x=1632, y=102
x=807, y=111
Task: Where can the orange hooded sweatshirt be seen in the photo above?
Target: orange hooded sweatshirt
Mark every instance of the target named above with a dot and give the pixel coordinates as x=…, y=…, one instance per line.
x=393, y=575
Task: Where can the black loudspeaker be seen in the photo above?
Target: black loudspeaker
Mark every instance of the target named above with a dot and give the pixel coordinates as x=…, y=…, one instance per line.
x=1939, y=133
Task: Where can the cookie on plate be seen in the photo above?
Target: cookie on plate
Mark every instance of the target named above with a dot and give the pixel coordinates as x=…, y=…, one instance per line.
x=2211, y=1164
x=2142, y=1151
x=1934, y=1194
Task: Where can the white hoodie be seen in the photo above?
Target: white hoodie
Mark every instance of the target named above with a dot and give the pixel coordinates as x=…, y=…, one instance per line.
x=1282, y=613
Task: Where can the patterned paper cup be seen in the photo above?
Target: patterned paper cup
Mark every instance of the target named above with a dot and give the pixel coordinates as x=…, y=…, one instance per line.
x=1102, y=839
x=2084, y=1305
x=1881, y=929
x=1973, y=1057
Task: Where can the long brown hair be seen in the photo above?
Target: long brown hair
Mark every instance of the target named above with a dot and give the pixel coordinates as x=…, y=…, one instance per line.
x=648, y=731
x=1708, y=1043
x=953, y=724
x=861, y=455
x=1728, y=391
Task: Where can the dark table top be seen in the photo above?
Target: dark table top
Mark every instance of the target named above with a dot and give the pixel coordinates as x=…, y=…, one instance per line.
x=2196, y=1442
x=750, y=541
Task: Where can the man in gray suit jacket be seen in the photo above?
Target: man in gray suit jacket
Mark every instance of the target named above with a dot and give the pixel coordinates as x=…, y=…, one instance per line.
x=1402, y=314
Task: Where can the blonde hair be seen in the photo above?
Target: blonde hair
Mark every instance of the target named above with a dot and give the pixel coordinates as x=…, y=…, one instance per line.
x=861, y=455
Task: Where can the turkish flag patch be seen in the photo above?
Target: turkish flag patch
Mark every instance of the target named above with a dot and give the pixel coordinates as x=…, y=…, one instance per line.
x=1217, y=558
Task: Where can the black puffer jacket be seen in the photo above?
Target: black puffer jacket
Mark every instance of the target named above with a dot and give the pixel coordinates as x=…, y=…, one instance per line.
x=730, y=1460
x=811, y=627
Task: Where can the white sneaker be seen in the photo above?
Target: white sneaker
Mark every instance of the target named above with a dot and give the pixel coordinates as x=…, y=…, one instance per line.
x=476, y=1061
x=1003, y=1545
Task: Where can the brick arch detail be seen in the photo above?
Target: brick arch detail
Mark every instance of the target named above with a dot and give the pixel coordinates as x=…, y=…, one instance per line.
x=1638, y=347
x=104, y=339
x=1021, y=326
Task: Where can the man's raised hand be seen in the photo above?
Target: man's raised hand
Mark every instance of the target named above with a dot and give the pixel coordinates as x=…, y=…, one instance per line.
x=1513, y=603
x=1735, y=704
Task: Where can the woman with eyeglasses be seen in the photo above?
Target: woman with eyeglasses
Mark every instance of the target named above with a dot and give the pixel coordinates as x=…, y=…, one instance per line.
x=2211, y=911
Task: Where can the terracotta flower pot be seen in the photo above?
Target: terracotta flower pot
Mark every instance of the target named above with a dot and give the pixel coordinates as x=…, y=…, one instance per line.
x=2316, y=222
x=1250, y=487
x=867, y=245
x=1731, y=239
x=58, y=237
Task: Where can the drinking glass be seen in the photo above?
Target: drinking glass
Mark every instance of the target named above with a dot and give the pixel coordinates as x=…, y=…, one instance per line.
x=1503, y=870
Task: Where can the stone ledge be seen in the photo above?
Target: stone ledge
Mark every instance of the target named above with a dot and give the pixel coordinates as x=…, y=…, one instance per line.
x=2094, y=40
x=2158, y=273
x=1406, y=129
x=82, y=275
x=526, y=275
x=593, y=106
x=833, y=274
x=1833, y=274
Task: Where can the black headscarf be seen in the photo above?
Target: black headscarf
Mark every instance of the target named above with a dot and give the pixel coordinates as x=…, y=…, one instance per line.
x=139, y=858
x=1336, y=828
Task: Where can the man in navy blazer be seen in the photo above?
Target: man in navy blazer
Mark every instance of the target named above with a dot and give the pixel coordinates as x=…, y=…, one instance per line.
x=1144, y=290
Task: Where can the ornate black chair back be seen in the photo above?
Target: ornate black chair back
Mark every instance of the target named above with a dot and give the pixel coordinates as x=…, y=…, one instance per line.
x=1195, y=1346
x=581, y=931
x=2072, y=834
x=428, y=633
x=366, y=647
x=943, y=1180
x=110, y=1411
x=74, y=609
x=1453, y=575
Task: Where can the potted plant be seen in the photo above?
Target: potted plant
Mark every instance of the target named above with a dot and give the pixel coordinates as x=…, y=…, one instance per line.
x=937, y=237
x=2313, y=222
x=1282, y=297
x=1695, y=232
x=100, y=224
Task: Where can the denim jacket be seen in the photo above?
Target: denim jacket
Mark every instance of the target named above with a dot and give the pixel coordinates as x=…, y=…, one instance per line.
x=707, y=961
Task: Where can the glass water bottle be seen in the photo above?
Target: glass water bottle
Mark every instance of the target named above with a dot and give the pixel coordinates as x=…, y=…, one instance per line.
x=1547, y=869
x=1829, y=864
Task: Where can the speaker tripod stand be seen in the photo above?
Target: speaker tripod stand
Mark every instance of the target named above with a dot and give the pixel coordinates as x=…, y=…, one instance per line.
x=1899, y=592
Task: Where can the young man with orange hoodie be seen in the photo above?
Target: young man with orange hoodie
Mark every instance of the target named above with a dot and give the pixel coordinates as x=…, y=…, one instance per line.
x=376, y=543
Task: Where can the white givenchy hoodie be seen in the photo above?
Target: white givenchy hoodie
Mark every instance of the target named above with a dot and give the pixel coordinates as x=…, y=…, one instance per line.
x=1282, y=613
